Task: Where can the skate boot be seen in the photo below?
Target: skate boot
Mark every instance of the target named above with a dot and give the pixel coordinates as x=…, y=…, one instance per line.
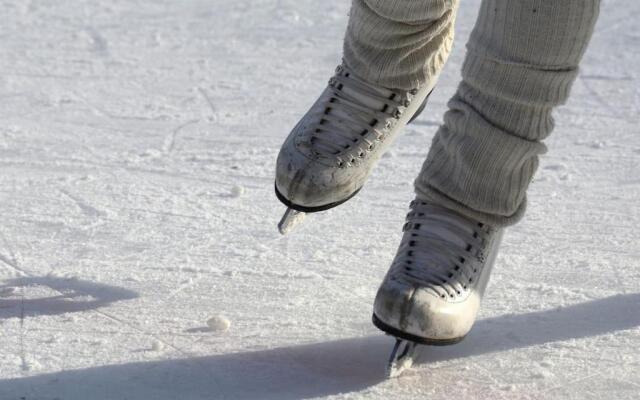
x=431, y=294
x=329, y=154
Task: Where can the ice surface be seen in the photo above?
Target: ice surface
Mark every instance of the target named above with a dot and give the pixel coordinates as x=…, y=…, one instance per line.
x=125, y=127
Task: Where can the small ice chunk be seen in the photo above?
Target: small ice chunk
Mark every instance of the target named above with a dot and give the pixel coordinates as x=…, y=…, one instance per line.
x=7, y=291
x=219, y=323
x=237, y=191
x=157, y=345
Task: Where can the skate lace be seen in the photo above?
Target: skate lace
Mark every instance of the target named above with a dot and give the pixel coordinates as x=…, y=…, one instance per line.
x=441, y=252
x=355, y=117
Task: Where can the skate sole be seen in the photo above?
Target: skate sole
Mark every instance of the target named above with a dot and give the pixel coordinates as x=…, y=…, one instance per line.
x=309, y=210
x=413, y=338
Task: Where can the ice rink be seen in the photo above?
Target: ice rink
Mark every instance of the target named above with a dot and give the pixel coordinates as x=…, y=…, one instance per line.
x=138, y=142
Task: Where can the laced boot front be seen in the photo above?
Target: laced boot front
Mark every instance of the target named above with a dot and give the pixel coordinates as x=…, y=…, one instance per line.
x=329, y=154
x=433, y=289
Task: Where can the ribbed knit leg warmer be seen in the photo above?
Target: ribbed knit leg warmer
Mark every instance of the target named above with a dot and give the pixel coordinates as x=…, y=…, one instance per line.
x=399, y=44
x=521, y=60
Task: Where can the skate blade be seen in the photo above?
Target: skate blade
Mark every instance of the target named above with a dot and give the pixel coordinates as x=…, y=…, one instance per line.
x=289, y=220
x=401, y=358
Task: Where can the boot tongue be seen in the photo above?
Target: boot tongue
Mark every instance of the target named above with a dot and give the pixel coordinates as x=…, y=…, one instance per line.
x=441, y=230
x=362, y=98
x=366, y=100
x=353, y=118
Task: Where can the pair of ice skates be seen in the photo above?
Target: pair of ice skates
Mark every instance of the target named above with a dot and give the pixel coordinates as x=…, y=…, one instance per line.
x=432, y=292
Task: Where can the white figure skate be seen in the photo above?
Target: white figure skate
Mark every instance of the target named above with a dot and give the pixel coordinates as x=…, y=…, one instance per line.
x=329, y=154
x=431, y=294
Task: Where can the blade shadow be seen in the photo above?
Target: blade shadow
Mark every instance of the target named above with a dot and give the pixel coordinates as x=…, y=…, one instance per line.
x=72, y=295
x=320, y=369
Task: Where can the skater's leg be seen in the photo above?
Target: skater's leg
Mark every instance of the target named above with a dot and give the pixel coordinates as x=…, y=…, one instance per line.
x=399, y=43
x=521, y=60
